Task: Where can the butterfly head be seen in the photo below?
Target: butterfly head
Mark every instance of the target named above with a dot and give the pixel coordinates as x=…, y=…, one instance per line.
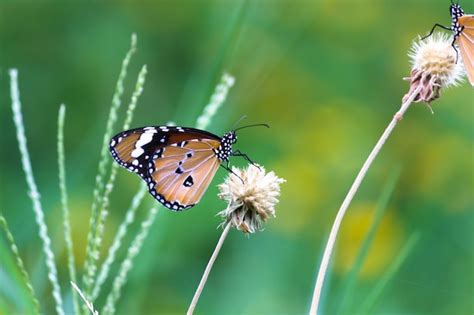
x=456, y=11
x=225, y=149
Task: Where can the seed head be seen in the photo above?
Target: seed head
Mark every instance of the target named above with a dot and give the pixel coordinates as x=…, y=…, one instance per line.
x=251, y=196
x=434, y=66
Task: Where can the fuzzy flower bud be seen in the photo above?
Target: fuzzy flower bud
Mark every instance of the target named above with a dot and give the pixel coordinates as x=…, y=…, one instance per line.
x=434, y=66
x=251, y=196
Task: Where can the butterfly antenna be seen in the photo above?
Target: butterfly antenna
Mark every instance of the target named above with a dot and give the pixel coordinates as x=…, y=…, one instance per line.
x=239, y=120
x=255, y=125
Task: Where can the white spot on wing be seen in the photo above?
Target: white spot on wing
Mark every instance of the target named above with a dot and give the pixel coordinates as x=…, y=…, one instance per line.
x=145, y=138
x=137, y=152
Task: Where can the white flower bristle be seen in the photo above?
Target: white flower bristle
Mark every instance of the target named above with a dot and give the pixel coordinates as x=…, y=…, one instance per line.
x=435, y=56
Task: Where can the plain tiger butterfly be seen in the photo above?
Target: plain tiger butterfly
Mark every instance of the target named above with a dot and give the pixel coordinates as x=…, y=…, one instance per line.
x=462, y=26
x=177, y=163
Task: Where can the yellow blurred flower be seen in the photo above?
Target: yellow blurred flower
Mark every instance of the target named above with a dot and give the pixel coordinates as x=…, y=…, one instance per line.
x=354, y=229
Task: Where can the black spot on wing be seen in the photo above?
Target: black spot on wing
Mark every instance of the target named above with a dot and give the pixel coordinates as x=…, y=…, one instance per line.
x=188, y=182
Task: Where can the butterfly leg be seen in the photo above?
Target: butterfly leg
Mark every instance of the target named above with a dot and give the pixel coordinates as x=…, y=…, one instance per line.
x=455, y=49
x=228, y=169
x=245, y=156
x=434, y=27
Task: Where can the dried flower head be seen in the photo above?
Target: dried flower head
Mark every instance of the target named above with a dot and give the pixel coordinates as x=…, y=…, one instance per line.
x=434, y=66
x=251, y=196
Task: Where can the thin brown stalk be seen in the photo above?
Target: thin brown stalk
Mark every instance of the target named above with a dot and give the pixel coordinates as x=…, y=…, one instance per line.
x=192, y=306
x=347, y=201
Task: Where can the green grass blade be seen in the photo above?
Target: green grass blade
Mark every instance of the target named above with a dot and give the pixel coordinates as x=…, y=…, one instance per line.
x=64, y=205
x=33, y=193
x=122, y=231
x=372, y=298
x=347, y=296
x=127, y=264
x=200, y=83
x=135, y=96
x=216, y=101
x=87, y=303
x=113, y=172
x=20, y=264
x=92, y=254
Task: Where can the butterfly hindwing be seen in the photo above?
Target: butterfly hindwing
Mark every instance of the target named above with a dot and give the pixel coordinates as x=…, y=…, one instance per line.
x=180, y=173
x=466, y=44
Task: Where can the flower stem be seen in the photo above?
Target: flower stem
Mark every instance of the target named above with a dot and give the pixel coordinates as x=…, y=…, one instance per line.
x=208, y=269
x=347, y=201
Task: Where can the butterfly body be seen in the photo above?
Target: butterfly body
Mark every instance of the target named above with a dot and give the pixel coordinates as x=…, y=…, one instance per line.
x=462, y=26
x=456, y=12
x=177, y=163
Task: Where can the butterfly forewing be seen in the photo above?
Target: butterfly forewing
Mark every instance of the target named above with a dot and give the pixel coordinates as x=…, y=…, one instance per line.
x=180, y=173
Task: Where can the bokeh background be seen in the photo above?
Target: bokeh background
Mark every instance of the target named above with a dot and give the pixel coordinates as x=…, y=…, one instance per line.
x=326, y=75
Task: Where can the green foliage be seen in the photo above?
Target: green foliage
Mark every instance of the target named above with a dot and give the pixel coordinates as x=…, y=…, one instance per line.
x=326, y=76
x=20, y=265
x=98, y=215
x=64, y=204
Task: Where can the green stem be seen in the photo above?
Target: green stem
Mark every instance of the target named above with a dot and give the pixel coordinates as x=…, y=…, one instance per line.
x=64, y=205
x=20, y=264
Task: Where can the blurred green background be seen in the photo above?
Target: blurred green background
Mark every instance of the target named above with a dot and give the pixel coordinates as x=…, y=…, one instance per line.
x=326, y=75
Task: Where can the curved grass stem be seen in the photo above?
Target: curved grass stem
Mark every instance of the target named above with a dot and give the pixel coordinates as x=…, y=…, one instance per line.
x=350, y=195
x=64, y=205
x=33, y=191
x=20, y=264
x=198, y=292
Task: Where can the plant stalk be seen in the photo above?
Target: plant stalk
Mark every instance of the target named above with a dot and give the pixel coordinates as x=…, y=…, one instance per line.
x=198, y=292
x=350, y=195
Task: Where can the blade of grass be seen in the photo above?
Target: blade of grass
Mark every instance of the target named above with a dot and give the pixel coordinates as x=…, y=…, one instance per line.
x=64, y=205
x=20, y=264
x=372, y=298
x=200, y=83
x=122, y=231
x=127, y=264
x=347, y=296
x=103, y=211
x=216, y=101
x=92, y=254
x=88, y=304
x=33, y=193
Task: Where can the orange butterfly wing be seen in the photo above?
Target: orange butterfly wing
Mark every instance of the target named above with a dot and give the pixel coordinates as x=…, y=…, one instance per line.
x=466, y=45
x=177, y=163
x=180, y=173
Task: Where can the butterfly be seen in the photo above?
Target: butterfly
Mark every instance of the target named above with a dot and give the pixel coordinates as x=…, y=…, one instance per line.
x=176, y=163
x=462, y=25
